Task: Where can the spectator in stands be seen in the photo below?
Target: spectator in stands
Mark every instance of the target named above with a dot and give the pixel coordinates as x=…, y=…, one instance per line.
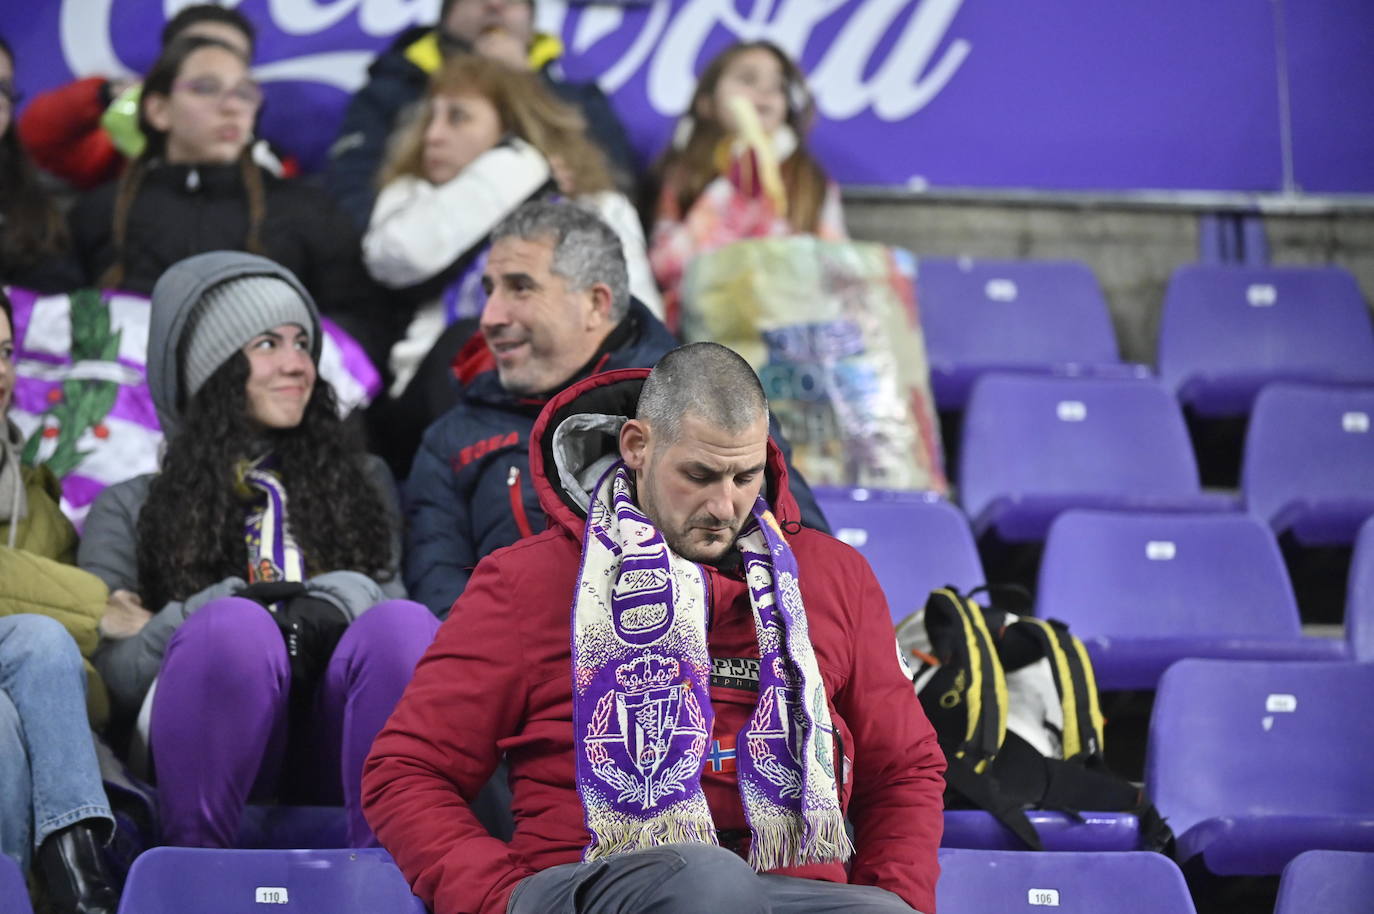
x=263, y=499
x=701, y=615
x=738, y=166
x=499, y=29
x=85, y=131
x=196, y=188
x=489, y=139
x=558, y=310
x=33, y=237
x=52, y=803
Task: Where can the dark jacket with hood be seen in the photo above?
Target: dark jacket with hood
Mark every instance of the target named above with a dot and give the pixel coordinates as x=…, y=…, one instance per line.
x=498, y=681
x=109, y=541
x=399, y=77
x=469, y=492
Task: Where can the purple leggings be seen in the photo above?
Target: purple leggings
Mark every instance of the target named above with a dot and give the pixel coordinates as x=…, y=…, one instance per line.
x=219, y=718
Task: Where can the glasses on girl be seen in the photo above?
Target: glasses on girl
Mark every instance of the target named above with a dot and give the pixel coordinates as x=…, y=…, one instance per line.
x=211, y=89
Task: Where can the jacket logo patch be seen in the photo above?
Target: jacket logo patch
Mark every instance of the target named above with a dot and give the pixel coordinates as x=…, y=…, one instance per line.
x=482, y=448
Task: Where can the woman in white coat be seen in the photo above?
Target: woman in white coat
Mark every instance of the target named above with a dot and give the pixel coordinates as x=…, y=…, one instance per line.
x=487, y=139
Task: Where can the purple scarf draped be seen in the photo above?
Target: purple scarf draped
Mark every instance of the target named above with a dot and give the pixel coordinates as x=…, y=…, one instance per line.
x=641, y=704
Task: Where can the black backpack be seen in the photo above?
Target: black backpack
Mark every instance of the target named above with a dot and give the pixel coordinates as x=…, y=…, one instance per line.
x=1014, y=704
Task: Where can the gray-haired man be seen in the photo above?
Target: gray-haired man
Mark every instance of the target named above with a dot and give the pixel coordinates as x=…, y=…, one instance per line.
x=558, y=310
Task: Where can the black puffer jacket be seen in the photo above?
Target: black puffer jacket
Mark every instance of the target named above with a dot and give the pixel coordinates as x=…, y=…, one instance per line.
x=181, y=210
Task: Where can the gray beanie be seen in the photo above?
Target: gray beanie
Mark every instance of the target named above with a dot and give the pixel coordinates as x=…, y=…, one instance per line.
x=177, y=306
x=229, y=315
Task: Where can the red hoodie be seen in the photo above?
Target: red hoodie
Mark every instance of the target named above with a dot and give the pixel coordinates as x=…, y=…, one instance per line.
x=497, y=680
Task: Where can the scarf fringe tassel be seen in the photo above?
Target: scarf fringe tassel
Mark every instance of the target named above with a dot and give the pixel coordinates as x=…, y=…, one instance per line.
x=779, y=844
x=662, y=830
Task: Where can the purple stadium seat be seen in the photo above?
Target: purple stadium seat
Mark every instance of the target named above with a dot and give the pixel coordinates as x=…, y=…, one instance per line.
x=1058, y=831
x=1227, y=330
x=1036, y=446
x=1254, y=762
x=1308, y=466
x=14, y=894
x=193, y=880
x=1011, y=315
x=1359, y=596
x=1332, y=882
x=1003, y=882
x=1144, y=590
x=915, y=541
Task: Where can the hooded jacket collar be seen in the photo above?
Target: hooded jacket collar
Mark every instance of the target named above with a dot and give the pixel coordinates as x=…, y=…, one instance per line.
x=616, y=393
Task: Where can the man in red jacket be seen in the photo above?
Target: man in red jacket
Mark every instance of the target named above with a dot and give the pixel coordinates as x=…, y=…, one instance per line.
x=692, y=691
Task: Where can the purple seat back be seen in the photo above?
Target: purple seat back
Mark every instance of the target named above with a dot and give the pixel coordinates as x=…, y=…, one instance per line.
x=1309, y=460
x=915, y=542
x=1359, y=595
x=1058, y=831
x=186, y=880
x=1145, y=590
x=1236, y=741
x=1037, y=436
x=1141, y=575
x=1122, y=882
x=1332, y=882
x=1227, y=330
x=1034, y=315
x=14, y=894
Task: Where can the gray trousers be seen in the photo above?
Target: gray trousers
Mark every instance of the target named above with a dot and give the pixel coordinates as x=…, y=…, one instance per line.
x=689, y=879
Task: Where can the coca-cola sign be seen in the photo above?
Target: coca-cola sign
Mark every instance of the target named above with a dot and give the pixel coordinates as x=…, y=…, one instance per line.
x=979, y=93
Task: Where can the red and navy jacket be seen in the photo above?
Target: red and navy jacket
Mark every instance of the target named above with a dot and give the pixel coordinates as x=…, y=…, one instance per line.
x=497, y=682
x=469, y=492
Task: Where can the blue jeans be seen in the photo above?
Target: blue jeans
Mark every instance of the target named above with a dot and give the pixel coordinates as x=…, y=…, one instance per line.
x=689, y=879
x=49, y=777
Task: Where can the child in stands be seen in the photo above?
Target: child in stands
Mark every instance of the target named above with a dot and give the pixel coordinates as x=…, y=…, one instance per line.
x=738, y=166
x=196, y=187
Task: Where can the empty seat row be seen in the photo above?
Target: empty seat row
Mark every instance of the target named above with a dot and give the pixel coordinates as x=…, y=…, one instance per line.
x=1034, y=446
x=198, y=881
x=976, y=882
x=1141, y=589
x=1225, y=331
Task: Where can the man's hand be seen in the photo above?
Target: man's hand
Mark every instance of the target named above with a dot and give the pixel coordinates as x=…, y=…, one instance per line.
x=498, y=44
x=124, y=615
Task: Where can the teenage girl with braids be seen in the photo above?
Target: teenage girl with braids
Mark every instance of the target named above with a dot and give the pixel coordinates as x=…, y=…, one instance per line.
x=738, y=166
x=261, y=484
x=196, y=187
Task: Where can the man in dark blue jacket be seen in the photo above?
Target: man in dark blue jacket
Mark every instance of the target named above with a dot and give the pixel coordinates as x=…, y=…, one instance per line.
x=500, y=29
x=558, y=309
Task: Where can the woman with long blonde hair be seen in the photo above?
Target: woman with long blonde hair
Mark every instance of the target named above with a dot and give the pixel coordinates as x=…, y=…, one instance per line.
x=487, y=139
x=738, y=166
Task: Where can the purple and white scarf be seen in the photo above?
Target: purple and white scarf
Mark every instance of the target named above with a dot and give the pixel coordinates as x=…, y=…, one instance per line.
x=272, y=552
x=641, y=702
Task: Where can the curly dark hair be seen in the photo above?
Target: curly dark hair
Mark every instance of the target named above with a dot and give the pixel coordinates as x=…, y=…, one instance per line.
x=191, y=531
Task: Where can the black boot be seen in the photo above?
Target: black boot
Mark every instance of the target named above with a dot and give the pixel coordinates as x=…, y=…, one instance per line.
x=72, y=864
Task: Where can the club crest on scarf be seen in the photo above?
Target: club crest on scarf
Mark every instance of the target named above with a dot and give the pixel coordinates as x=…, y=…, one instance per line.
x=641, y=705
x=635, y=728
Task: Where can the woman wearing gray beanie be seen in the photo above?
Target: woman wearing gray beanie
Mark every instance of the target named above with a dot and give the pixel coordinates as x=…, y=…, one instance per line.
x=256, y=625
